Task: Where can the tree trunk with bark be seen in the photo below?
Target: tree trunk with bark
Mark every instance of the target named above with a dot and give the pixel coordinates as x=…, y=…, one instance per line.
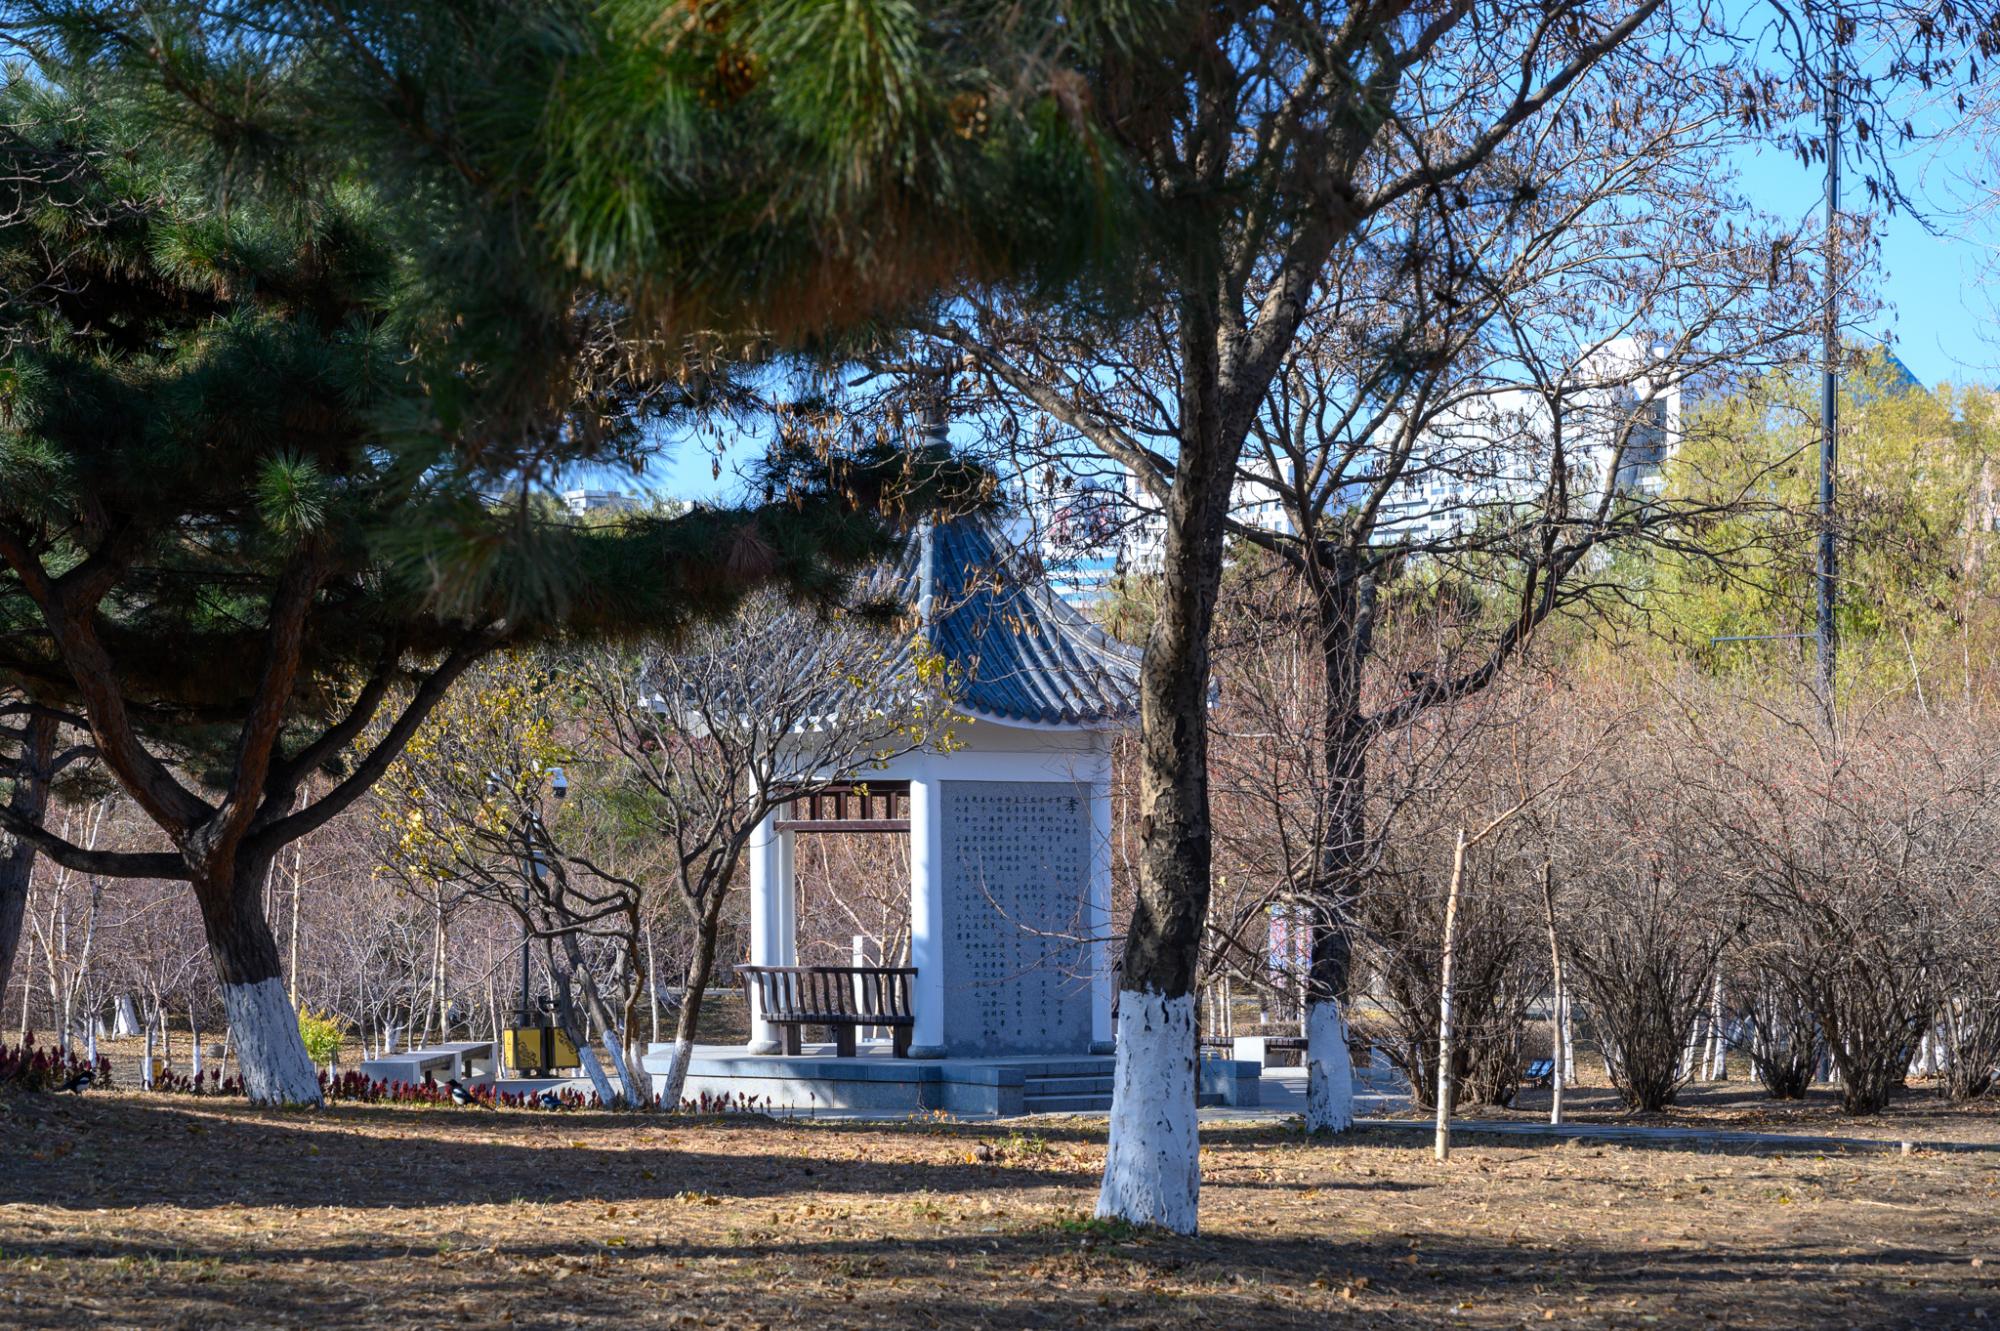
x=1558, y=999
x=1446, y=1089
x=292, y=966
x=1152, y=1169
x=701, y=967
x=598, y=1011
x=269, y=1050
x=1341, y=602
x=29, y=800
x=571, y=1022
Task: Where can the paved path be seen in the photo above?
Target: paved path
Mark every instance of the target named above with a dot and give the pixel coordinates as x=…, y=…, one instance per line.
x=1380, y=1091
x=1284, y=1097
x=1636, y=1134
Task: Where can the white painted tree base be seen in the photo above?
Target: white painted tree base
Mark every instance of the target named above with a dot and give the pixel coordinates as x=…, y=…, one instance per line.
x=629, y=1086
x=670, y=1087
x=1329, y=1070
x=1152, y=1170
x=125, y=1021
x=600, y=1083
x=269, y=1052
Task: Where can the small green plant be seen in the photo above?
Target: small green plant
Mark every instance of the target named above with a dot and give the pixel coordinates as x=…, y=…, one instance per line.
x=1026, y=1143
x=1095, y=1230
x=322, y=1035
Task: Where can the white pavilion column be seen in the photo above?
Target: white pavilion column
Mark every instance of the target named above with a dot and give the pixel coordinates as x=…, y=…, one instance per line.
x=770, y=891
x=785, y=849
x=927, y=943
x=1097, y=907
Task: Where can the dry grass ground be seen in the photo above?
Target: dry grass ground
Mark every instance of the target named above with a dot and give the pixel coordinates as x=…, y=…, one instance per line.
x=1740, y=1105
x=121, y=1209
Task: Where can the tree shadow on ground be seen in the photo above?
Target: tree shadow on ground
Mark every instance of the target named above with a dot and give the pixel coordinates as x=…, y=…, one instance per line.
x=228, y=1153
x=1417, y=1137
x=1047, y=1275
x=332, y=1232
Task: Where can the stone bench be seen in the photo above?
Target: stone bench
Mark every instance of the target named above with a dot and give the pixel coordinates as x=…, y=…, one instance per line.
x=473, y=1062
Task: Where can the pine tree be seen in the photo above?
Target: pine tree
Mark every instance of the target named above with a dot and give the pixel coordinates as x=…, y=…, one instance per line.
x=246, y=532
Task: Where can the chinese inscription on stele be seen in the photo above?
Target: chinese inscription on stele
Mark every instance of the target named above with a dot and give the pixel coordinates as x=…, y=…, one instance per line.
x=1017, y=865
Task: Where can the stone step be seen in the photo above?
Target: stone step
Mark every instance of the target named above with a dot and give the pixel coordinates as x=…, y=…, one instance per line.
x=1065, y=1104
x=1069, y=1067
x=1087, y=1104
x=1067, y=1086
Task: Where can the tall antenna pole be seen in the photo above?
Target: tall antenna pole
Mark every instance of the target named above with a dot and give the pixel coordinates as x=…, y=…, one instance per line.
x=1829, y=406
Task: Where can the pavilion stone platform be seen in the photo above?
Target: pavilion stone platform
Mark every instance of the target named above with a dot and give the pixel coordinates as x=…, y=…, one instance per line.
x=874, y=1084
x=1005, y=1003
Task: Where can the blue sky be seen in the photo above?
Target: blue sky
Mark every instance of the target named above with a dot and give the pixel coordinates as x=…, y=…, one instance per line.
x=1938, y=314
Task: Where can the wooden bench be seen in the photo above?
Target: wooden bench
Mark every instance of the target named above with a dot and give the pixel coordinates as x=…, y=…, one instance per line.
x=841, y=998
x=1259, y=1048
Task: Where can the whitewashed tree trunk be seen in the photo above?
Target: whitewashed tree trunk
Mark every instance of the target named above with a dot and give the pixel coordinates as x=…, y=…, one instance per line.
x=125, y=1017
x=1694, y=1055
x=270, y=1054
x=673, y=1082
x=1559, y=1052
x=1569, y=1037
x=595, y=1016
x=1329, y=1069
x=492, y=1008
x=1152, y=1172
x=194, y=1041
x=441, y=978
x=607, y=1095
x=1718, y=1063
x=146, y=1068
x=1558, y=999
x=635, y=1094
x=687, y=1021
x=1447, y=1047
x=56, y=943
x=272, y=1058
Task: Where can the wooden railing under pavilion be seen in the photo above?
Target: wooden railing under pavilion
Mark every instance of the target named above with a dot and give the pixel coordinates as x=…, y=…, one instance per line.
x=851, y=806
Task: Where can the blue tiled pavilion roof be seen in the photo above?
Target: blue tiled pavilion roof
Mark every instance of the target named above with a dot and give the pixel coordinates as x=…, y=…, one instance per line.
x=1026, y=655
